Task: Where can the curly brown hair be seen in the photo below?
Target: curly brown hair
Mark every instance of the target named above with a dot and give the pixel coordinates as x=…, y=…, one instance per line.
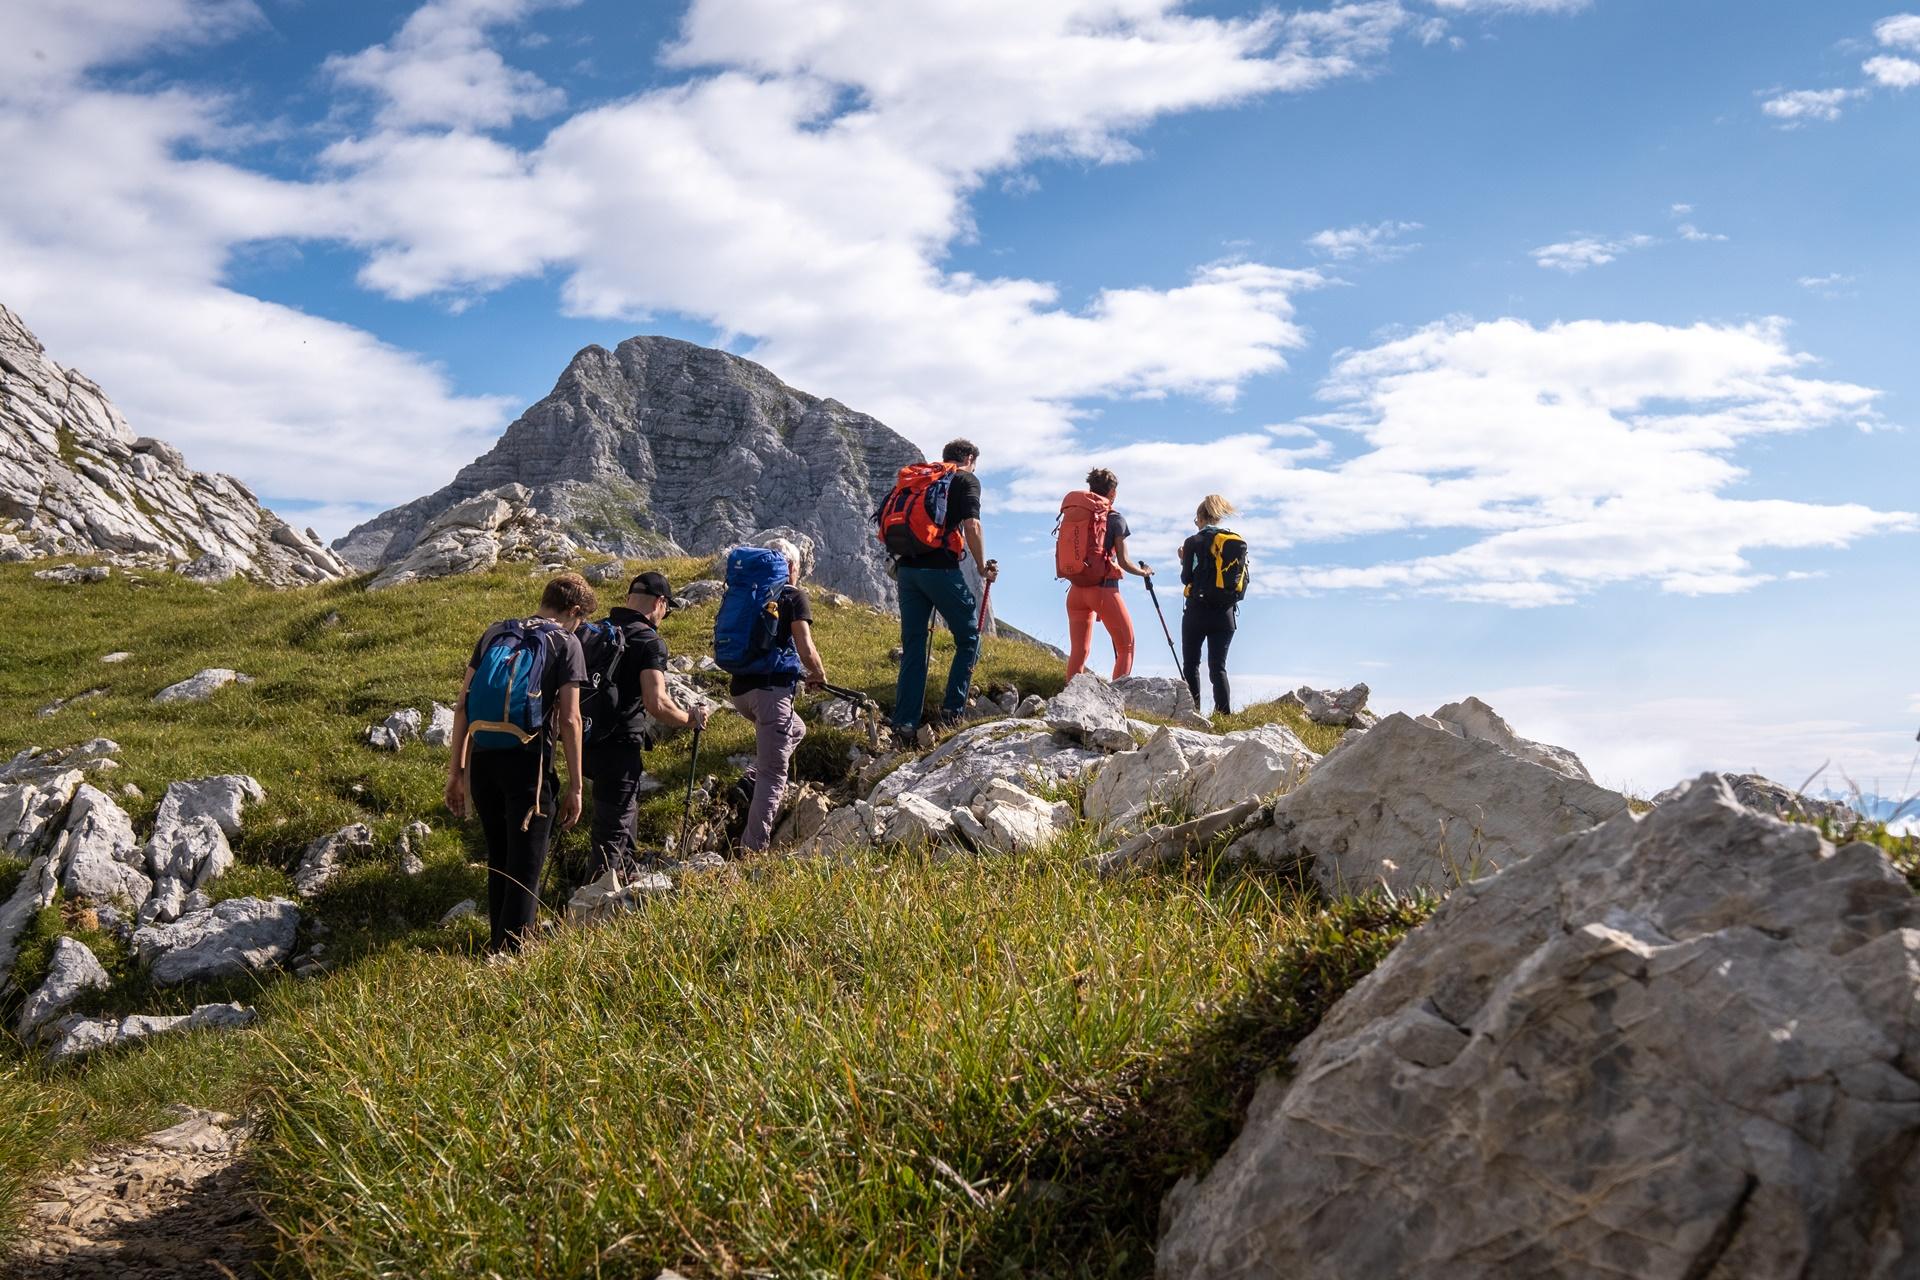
x=1102, y=481
x=569, y=591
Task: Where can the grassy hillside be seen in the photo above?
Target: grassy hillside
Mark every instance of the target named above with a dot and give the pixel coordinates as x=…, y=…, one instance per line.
x=890, y=1066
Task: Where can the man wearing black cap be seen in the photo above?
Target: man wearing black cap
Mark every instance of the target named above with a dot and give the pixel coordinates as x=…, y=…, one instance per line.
x=614, y=760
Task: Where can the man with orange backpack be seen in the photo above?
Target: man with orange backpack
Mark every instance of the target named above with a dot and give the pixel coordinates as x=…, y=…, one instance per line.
x=929, y=520
x=1090, y=552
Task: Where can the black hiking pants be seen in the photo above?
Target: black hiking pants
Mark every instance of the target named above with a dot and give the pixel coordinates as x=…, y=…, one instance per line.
x=504, y=786
x=1213, y=626
x=615, y=771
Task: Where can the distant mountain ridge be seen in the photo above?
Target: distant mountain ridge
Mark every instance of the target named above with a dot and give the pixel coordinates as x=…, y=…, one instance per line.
x=664, y=447
x=75, y=480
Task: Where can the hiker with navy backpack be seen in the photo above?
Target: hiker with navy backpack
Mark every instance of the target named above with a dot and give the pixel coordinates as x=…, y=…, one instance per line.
x=626, y=682
x=1090, y=552
x=763, y=638
x=929, y=520
x=521, y=693
x=1213, y=567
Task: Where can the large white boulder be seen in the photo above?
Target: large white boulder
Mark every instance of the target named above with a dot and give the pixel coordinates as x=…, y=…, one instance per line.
x=74, y=970
x=223, y=797
x=954, y=772
x=1197, y=772
x=1415, y=808
x=240, y=935
x=1472, y=718
x=1340, y=708
x=915, y=821
x=1090, y=711
x=102, y=856
x=1161, y=696
x=1673, y=1047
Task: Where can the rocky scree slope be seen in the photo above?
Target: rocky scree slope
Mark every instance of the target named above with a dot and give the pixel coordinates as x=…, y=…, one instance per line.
x=661, y=447
x=75, y=480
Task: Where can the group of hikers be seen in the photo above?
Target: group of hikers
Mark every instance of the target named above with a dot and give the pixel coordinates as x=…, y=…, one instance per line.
x=559, y=683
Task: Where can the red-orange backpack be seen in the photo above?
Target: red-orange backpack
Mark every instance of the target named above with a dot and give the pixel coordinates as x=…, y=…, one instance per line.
x=913, y=519
x=1080, y=540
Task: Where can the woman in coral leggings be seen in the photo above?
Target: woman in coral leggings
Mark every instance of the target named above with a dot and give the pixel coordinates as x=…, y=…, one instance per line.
x=1086, y=604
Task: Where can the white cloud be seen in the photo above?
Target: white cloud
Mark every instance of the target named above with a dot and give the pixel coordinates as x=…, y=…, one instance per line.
x=1828, y=285
x=1893, y=73
x=441, y=70
x=1901, y=31
x=1511, y=6
x=1802, y=105
x=1687, y=231
x=48, y=46
x=1560, y=459
x=1379, y=240
x=1578, y=254
x=1680, y=210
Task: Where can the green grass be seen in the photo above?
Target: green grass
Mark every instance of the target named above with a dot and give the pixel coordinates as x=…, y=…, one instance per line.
x=1319, y=738
x=888, y=1066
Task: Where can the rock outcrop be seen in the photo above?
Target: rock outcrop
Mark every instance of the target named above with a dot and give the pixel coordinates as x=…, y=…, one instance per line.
x=227, y=939
x=661, y=447
x=1673, y=1047
x=1475, y=720
x=1413, y=806
x=75, y=480
x=1764, y=795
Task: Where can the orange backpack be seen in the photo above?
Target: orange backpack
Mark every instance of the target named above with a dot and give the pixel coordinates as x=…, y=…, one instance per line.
x=1080, y=540
x=912, y=521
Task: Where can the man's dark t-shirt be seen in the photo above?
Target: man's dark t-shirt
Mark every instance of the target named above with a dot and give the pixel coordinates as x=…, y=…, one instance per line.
x=566, y=664
x=963, y=503
x=793, y=607
x=646, y=651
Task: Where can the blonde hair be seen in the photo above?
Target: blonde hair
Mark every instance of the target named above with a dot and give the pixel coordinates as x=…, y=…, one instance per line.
x=1213, y=509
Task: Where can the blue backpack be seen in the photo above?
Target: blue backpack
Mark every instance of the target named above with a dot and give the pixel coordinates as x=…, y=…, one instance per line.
x=749, y=618
x=504, y=706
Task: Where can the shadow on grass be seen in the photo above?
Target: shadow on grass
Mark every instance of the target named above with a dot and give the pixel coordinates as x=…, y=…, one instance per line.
x=1083, y=1197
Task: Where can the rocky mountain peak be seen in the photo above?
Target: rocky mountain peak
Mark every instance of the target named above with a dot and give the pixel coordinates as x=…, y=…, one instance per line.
x=76, y=480
x=663, y=447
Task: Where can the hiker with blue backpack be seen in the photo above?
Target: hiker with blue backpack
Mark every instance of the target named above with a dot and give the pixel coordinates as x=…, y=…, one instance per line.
x=626, y=682
x=521, y=693
x=929, y=520
x=763, y=638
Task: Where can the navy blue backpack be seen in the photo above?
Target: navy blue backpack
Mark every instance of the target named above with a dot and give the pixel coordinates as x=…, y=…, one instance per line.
x=749, y=617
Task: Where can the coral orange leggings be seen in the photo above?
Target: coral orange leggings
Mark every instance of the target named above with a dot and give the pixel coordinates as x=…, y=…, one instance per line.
x=1084, y=604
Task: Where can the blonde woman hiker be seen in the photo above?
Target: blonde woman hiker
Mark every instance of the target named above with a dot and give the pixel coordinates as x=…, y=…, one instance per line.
x=1213, y=568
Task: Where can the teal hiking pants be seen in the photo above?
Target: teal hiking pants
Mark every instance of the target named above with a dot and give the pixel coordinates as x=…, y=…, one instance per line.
x=921, y=592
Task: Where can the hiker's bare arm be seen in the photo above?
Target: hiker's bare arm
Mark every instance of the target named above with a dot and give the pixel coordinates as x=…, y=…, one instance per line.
x=457, y=757
x=1120, y=554
x=809, y=656
x=566, y=719
x=661, y=706
x=976, y=544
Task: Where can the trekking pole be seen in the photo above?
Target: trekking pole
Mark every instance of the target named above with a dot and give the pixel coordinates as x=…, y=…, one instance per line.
x=1155, y=597
x=693, y=772
x=850, y=695
x=986, y=595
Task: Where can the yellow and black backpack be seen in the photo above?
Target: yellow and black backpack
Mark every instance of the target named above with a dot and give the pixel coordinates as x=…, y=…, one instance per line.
x=1218, y=572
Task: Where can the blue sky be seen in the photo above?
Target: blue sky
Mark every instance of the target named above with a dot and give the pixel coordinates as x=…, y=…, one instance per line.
x=1554, y=350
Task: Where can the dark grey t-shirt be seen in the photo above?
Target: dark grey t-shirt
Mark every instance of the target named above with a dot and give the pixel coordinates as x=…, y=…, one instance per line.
x=566, y=664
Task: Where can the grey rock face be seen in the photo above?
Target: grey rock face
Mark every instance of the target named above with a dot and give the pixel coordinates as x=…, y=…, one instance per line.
x=68, y=575
x=1089, y=710
x=660, y=446
x=75, y=1036
x=956, y=771
x=1671, y=1047
x=1415, y=807
x=185, y=856
x=102, y=856
x=471, y=536
x=1197, y=771
x=30, y=808
x=1341, y=708
x=240, y=935
x=201, y=686
x=1764, y=795
x=325, y=856
x=74, y=969
x=703, y=591
x=1161, y=696
x=75, y=480
x=34, y=892
x=1476, y=720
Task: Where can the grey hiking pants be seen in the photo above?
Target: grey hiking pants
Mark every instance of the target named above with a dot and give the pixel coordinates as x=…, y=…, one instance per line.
x=777, y=732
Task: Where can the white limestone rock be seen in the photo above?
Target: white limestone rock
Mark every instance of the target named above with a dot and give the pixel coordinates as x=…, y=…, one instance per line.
x=397, y=730
x=1764, y=795
x=687, y=696
x=1476, y=720
x=222, y=797
x=954, y=772
x=615, y=895
x=1090, y=711
x=240, y=935
x=71, y=574
x=1417, y=808
x=439, y=731
x=32, y=895
x=73, y=971
x=1340, y=708
x=916, y=821
x=459, y=911
x=848, y=827
x=326, y=856
x=1671, y=1047
x=1161, y=696
x=201, y=686
x=703, y=591
x=1197, y=772
x=102, y=856
x=30, y=809
x=73, y=1036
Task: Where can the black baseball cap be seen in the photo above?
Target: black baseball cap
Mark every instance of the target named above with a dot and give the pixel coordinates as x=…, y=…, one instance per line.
x=652, y=584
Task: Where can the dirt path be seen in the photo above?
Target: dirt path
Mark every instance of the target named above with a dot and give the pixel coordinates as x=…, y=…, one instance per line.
x=171, y=1207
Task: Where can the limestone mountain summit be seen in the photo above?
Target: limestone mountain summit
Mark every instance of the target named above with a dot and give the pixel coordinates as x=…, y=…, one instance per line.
x=75, y=480
x=662, y=447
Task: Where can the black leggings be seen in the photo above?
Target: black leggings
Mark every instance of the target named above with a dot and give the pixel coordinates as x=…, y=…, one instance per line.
x=1213, y=626
x=503, y=786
